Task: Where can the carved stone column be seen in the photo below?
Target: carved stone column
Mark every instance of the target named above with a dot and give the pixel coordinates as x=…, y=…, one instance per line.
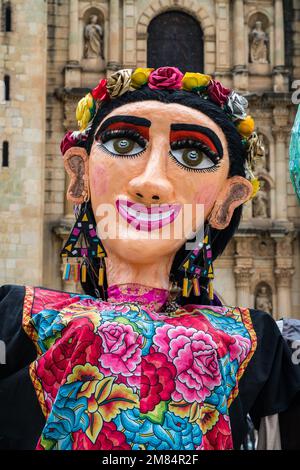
x=73, y=70
x=280, y=75
x=243, y=269
x=114, y=37
x=279, y=33
x=280, y=130
x=222, y=37
x=284, y=271
x=74, y=39
x=240, y=74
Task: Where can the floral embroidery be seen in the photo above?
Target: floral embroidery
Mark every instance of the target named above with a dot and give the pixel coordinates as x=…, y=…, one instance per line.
x=120, y=376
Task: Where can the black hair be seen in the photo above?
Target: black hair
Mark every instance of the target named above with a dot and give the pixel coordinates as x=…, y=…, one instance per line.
x=237, y=159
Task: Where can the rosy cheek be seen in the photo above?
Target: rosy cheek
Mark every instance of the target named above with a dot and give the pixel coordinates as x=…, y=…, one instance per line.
x=99, y=180
x=206, y=196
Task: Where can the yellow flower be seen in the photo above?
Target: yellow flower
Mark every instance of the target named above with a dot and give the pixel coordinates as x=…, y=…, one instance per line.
x=246, y=126
x=140, y=77
x=84, y=111
x=256, y=187
x=194, y=80
x=208, y=417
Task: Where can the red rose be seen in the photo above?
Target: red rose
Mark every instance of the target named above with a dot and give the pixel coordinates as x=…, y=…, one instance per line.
x=218, y=93
x=165, y=77
x=157, y=381
x=77, y=345
x=219, y=438
x=100, y=92
x=109, y=438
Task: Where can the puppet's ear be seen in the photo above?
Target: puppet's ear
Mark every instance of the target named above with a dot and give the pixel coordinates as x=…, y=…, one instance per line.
x=236, y=191
x=76, y=165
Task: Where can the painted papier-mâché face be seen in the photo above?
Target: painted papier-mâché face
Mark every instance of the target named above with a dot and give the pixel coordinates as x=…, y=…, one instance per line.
x=149, y=164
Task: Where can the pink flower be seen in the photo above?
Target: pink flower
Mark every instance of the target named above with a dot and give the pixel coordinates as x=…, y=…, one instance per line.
x=121, y=349
x=165, y=77
x=239, y=349
x=100, y=92
x=218, y=93
x=194, y=354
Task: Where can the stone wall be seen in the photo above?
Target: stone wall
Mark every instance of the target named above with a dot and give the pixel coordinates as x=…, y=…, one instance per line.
x=22, y=124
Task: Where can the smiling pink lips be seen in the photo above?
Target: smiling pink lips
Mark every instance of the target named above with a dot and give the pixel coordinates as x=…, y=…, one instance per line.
x=146, y=218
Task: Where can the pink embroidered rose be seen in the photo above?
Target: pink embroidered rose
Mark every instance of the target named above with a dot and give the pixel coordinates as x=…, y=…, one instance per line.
x=194, y=354
x=218, y=93
x=121, y=349
x=239, y=348
x=157, y=380
x=165, y=77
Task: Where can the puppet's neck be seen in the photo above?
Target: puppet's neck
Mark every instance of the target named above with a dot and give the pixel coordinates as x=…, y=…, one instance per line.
x=154, y=275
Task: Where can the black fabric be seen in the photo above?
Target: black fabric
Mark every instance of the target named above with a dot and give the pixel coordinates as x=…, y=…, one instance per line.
x=271, y=382
x=21, y=417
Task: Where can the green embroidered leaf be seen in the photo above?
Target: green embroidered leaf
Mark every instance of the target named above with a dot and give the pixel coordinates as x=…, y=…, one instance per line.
x=157, y=415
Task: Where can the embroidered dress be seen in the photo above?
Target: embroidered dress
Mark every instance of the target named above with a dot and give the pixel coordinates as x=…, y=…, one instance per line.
x=120, y=375
x=86, y=374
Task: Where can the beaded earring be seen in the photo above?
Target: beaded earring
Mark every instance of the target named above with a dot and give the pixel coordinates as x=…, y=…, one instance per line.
x=198, y=264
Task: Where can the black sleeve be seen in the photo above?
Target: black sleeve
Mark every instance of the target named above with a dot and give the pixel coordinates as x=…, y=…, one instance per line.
x=21, y=418
x=271, y=382
x=19, y=349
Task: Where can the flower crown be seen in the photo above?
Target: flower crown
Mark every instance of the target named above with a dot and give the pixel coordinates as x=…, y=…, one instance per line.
x=170, y=78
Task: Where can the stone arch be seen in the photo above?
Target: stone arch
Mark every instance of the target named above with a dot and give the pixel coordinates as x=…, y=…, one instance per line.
x=206, y=22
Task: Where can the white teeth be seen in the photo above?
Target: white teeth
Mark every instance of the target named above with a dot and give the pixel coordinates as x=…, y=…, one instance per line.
x=146, y=217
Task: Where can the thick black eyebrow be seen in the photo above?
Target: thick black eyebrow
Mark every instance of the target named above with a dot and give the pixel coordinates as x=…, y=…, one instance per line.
x=203, y=130
x=138, y=121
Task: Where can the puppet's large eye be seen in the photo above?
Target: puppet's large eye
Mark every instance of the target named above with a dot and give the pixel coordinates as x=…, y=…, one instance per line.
x=123, y=142
x=193, y=156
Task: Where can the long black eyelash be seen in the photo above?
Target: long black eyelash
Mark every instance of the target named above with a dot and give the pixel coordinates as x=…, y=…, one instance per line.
x=113, y=133
x=195, y=170
x=111, y=154
x=179, y=144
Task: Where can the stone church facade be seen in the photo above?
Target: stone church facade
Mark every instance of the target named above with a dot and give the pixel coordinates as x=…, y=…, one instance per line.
x=52, y=51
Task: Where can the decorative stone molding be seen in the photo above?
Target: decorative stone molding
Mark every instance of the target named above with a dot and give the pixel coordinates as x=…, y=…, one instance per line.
x=243, y=276
x=284, y=276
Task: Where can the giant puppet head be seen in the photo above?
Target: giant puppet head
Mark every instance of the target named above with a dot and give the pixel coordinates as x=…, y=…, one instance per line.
x=152, y=145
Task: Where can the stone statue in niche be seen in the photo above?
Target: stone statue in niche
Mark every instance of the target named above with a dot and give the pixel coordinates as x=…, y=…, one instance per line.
x=261, y=163
x=261, y=202
x=93, y=39
x=258, y=46
x=263, y=299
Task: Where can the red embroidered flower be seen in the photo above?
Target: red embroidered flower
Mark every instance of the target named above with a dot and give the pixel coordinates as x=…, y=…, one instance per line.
x=219, y=438
x=218, y=93
x=165, y=77
x=100, y=92
x=44, y=298
x=157, y=380
x=108, y=439
x=78, y=345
